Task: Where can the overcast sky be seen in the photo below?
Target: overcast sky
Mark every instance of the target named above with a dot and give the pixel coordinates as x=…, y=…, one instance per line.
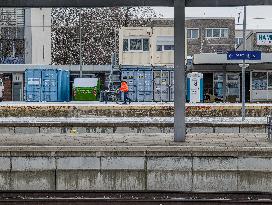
x=252, y=13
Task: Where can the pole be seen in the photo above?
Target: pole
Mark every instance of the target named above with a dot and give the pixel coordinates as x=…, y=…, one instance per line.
x=115, y=46
x=179, y=70
x=80, y=44
x=244, y=68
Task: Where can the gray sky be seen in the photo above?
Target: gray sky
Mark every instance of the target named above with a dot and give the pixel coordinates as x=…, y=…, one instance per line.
x=252, y=12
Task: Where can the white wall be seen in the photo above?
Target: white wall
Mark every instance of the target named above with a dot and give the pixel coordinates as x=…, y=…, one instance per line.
x=38, y=36
x=144, y=58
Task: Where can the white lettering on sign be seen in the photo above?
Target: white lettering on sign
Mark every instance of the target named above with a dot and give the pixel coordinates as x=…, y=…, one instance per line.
x=264, y=39
x=33, y=81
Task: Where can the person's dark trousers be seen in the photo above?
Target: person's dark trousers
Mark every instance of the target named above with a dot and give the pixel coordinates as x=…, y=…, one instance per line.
x=125, y=97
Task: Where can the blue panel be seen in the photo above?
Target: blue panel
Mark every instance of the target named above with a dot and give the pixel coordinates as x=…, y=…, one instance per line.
x=188, y=89
x=201, y=90
x=244, y=55
x=49, y=80
x=33, y=79
x=51, y=96
x=60, y=82
x=63, y=85
x=50, y=85
x=144, y=85
x=129, y=76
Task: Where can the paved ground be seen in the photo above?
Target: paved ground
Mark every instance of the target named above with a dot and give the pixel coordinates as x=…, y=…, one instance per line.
x=202, y=140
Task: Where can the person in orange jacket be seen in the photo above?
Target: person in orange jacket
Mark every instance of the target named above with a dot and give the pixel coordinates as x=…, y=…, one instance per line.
x=124, y=89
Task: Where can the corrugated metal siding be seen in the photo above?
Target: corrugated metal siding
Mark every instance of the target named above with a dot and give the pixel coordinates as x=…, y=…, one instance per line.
x=49, y=85
x=130, y=77
x=33, y=78
x=148, y=84
x=145, y=85
x=64, y=85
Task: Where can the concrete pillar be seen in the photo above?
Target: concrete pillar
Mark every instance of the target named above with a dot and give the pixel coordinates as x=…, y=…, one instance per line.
x=38, y=36
x=179, y=64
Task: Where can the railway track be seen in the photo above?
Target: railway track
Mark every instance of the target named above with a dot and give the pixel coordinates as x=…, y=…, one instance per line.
x=132, y=198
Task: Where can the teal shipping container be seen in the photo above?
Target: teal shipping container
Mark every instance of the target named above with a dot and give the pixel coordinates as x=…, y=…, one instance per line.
x=47, y=85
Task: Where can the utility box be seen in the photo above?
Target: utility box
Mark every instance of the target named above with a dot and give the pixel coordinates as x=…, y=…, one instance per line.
x=86, y=89
x=195, y=87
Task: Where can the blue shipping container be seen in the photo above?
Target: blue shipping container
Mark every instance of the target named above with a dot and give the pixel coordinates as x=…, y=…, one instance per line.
x=64, y=85
x=140, y=83
x=33, y=78
x=49, y=85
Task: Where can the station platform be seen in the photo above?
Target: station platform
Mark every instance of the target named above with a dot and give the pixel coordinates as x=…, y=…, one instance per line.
x=136, y=162
x=127, y=141
x=99, y=124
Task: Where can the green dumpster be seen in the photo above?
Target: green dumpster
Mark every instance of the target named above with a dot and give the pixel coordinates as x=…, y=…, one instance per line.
x=86, y=89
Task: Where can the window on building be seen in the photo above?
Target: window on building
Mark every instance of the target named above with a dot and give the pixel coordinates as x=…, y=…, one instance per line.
x=159, y=47
x=209, y=33
x=217, y=33
x=269, y=80
x=259, y=80
x=168, y=47
x=219, y=51
x=238, y=41
x=193, y=33
x=224, y=33
x=145, y=44
x=165, y=43
x=125, y=45
x=136, y=44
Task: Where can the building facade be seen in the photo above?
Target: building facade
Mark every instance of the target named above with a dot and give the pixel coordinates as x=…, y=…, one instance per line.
x=154, y=45
x=146, y=46
x=261, y=75
x=38, y=36
x=210, y=35
x=142, y=48
x=25, y=38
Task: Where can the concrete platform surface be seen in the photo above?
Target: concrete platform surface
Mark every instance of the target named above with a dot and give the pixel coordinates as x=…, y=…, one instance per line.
x=103, y=141
x=103, y=120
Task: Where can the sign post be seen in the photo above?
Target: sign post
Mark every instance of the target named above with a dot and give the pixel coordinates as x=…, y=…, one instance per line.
x=244, y=69
x=246, y=55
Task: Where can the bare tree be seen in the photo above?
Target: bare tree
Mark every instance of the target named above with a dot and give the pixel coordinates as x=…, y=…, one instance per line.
x=98, y=32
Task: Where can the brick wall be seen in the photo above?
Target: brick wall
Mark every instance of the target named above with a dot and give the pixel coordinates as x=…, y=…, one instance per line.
x=204, y=45
x=7, y=81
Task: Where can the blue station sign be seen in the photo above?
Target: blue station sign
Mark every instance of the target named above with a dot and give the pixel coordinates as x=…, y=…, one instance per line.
x=244, y=55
